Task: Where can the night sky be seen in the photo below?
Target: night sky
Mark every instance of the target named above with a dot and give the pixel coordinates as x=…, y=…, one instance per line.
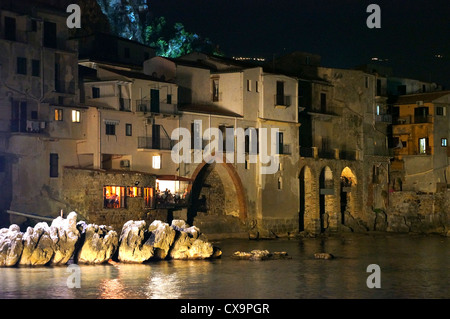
x=412, y=32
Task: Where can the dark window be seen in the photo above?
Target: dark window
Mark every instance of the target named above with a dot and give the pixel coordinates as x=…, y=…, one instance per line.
x=424, y=88
x=378, y=87
x=439, y=110
x=49, y=34
x=128, y=129
x=215, y=90
x=33, y=25
x=35, y=67
x=34, y=115
x=21, y=65
x=156, y=136
x=401, y=89
x=280, y=143
x=54, y=164
x=110, y=129
x=2, y=164
x=10, y=29
x=169, y=98
x=95, y=92
x=323, y=102
x=280, y=93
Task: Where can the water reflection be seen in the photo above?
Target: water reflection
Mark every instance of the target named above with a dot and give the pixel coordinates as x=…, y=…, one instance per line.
x=410, y=268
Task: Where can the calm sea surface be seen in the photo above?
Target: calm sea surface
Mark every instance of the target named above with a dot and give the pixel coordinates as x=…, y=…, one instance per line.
x=411, y=267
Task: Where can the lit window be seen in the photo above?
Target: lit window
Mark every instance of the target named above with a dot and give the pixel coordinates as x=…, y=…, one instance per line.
x=114, y=196
x=134, y=191
x=443, y=142
x=156, y=162
x=149, y=197
x=58, y=114
x=76, y=116
x=422, y=145
x=378, y=110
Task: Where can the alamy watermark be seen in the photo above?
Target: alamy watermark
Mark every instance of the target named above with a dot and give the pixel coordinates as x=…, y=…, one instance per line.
x=238, y=143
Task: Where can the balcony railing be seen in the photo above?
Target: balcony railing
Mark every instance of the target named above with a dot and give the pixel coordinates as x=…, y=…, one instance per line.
x=282, y=100
x=163, y=108
x=148, y=142
x=28, y=126
x=124, y=104
x=327, y=153
x=383, y=118
x=284, y=149
x=306, y=151
x=347, y=155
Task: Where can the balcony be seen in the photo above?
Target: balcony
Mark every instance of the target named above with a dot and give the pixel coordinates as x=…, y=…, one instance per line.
x=284, y=149
x=401, y=120
x=124, y=104
x=383, y=118
x=282, y=101
x=307, y=151
x=65, y=87
x=327, y=153
x=150, y=143
x=145, y=106
x=28, y=126
x=347, y=155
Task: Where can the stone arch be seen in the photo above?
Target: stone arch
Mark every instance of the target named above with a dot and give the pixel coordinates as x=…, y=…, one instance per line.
x=327, y=200
x=348, y=184
x=235, y=198
x=307, y=211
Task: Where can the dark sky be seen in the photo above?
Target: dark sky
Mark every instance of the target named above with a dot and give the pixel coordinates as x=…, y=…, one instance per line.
x=412, y=32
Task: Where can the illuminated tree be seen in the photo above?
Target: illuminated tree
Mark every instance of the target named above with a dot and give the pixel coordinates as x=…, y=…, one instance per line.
x=131, y=19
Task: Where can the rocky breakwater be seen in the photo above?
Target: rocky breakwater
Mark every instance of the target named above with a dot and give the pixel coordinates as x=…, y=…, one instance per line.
x=64, y=239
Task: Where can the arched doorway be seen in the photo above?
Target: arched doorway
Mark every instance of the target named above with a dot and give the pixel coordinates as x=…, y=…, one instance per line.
x=307, y=218
x=347, y=194
x=217, y=190
x=327, y=215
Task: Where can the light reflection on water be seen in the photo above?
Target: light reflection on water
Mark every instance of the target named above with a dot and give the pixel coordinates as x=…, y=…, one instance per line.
x=411, y=267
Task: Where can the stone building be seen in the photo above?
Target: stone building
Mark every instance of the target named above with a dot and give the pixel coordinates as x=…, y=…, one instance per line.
x=41, y=120
x=343, y=132
x=222, y=93
x=420, y=139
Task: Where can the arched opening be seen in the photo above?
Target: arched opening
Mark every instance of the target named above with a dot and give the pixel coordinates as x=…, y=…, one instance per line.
x=218, y=193
x=306, y=202
x=327, y=215
x=347, y=193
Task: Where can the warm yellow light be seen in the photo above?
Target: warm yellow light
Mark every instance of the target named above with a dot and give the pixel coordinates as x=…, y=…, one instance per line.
x=75, y=116
x=156, y=161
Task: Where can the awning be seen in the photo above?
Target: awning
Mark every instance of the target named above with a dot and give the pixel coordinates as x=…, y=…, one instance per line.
x=174, y=178
x=112, y=122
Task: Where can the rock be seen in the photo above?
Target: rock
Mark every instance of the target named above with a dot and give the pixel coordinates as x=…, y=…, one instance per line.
x=217, y=252
x=280, y=255
x=260, y=255
x=37, y=246
x=189, y=243
x=65, y=235
x=323, y=256
x=99, y=243
x=162, y=237
x=11, y=245
x=134, y=243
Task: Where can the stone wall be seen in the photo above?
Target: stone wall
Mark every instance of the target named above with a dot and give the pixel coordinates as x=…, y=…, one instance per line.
x=419, y=213
x=83, y=193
